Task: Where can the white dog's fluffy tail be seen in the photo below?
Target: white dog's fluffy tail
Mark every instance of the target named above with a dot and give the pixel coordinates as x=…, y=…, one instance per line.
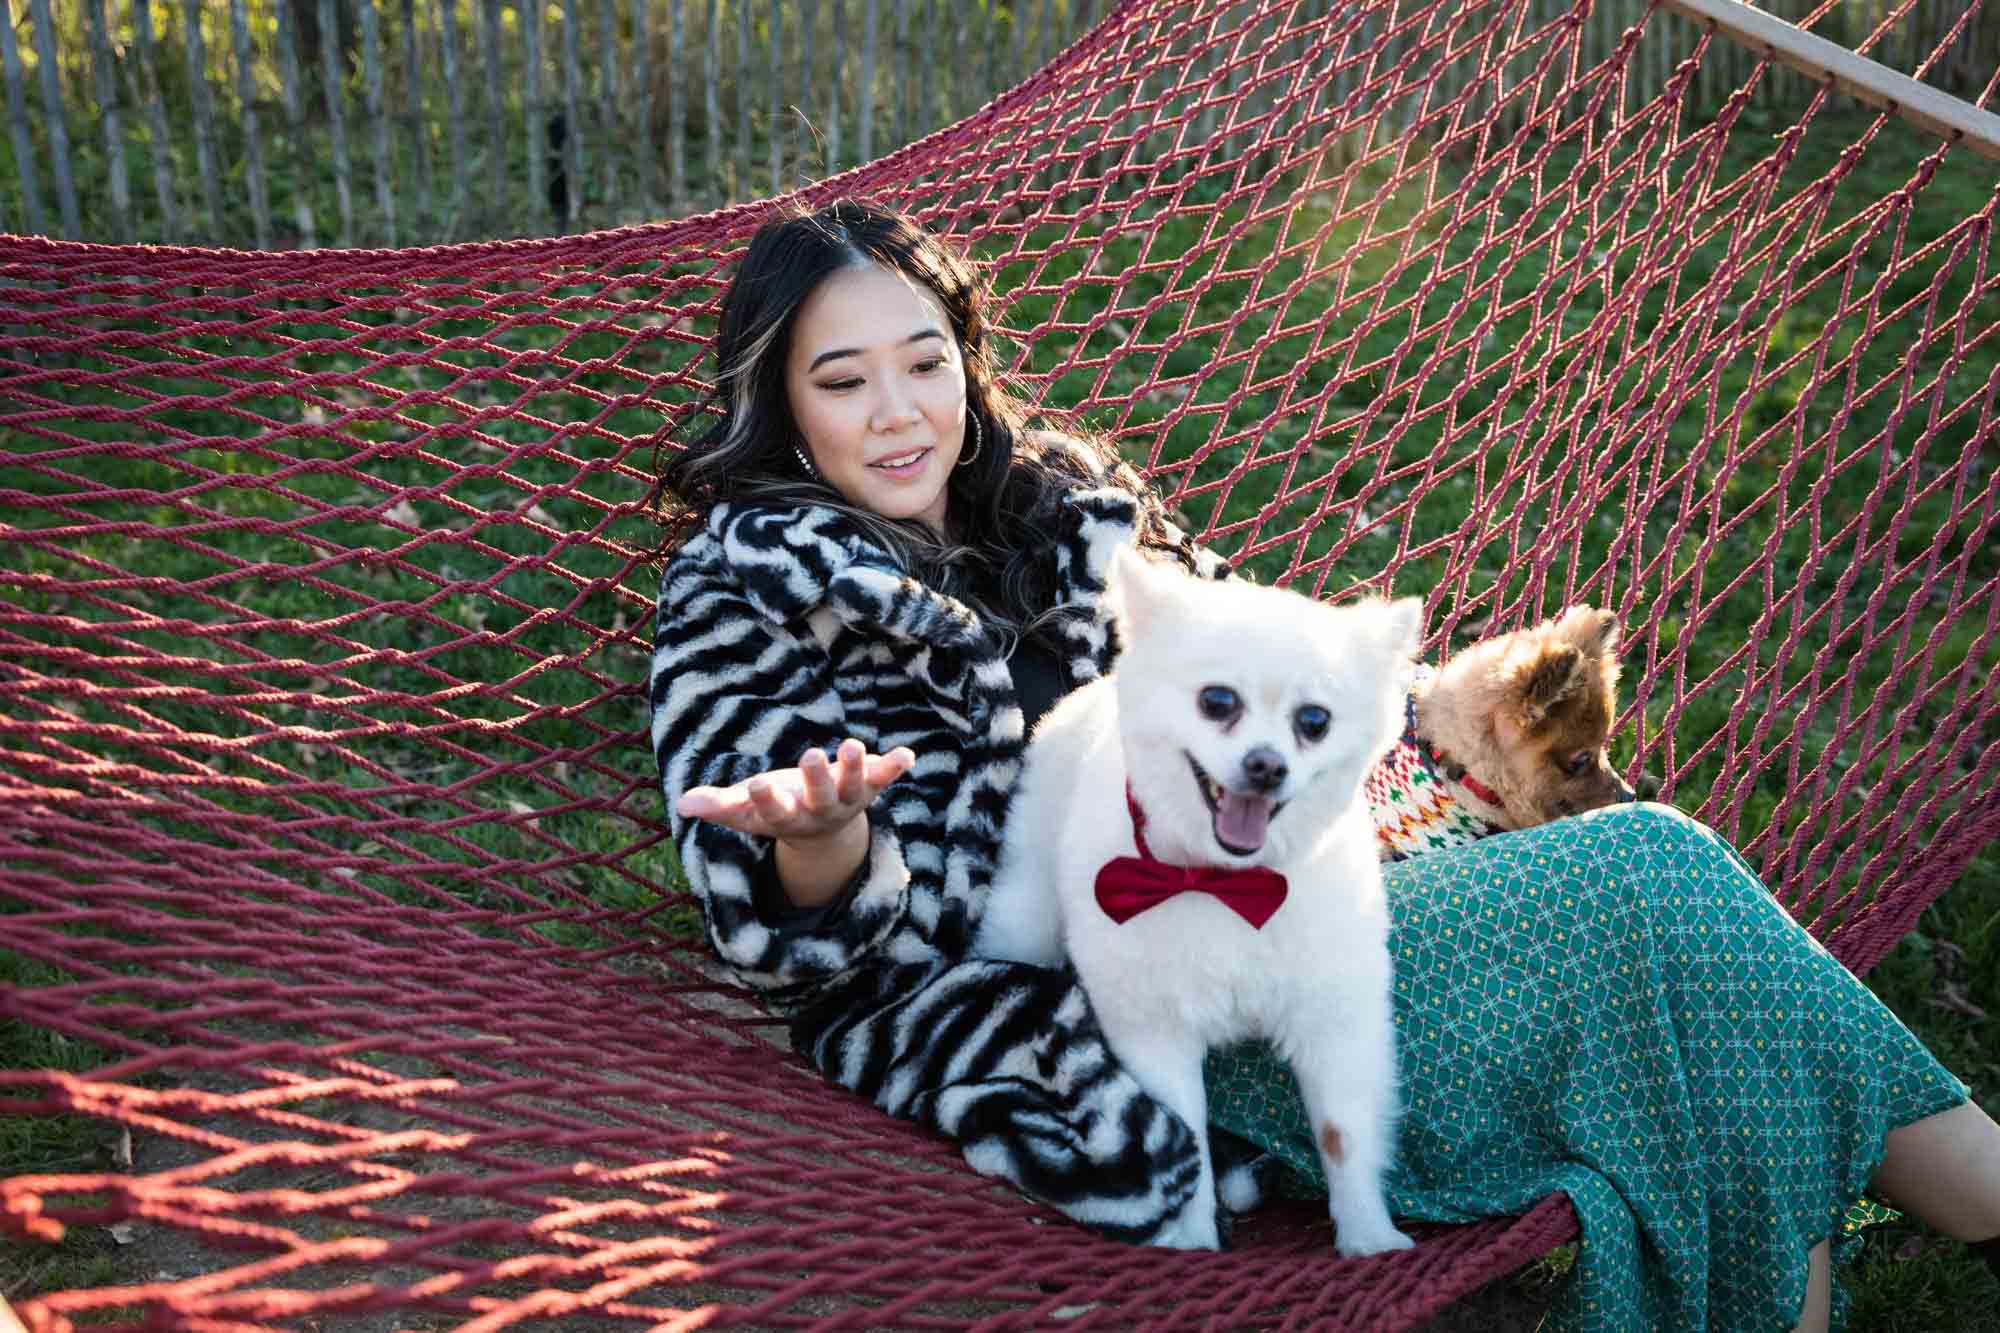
x=1245, y=1175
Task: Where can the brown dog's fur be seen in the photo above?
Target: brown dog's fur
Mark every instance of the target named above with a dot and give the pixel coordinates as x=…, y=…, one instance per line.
x=1529, y=715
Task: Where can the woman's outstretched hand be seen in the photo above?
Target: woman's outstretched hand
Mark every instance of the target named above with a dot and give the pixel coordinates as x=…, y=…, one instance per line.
x=804, y=805
x=815, y=811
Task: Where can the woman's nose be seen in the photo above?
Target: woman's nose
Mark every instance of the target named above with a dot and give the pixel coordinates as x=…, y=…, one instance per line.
x=896, y=406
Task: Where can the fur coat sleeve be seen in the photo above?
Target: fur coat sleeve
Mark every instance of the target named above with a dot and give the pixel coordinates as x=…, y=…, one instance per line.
x=782, y=628
x=741, y=685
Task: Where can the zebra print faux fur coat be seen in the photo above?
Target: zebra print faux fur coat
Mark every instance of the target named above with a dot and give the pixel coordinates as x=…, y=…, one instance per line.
x=782, y=628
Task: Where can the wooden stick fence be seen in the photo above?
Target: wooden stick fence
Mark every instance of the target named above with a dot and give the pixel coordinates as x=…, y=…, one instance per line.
x=386, y=122
x=1825, y=62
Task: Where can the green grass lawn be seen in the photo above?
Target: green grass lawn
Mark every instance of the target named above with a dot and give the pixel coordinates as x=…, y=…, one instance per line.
x=1351, y=416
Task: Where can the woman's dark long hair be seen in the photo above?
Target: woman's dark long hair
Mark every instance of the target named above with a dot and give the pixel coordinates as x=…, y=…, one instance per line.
x=1000, y=505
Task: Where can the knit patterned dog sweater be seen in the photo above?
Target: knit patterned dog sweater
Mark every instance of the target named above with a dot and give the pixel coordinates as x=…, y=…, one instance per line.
x=1415, y=806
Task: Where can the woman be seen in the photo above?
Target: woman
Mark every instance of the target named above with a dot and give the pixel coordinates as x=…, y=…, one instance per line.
x=879, y=559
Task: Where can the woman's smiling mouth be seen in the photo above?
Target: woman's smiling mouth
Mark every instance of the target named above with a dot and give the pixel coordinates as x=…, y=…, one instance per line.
x=903, y=464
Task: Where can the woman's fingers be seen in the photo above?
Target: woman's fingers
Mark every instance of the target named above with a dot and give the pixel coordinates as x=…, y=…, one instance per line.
x=710, y=802
x=774, y=804
x=853, y=785
x=816, y=797
x=886, y=768
x=821, y=784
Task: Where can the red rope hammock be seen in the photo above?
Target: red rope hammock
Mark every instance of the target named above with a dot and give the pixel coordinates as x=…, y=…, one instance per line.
x=323, y=792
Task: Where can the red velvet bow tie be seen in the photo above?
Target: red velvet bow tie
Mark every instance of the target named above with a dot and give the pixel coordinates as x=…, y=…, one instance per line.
x=1128, y=885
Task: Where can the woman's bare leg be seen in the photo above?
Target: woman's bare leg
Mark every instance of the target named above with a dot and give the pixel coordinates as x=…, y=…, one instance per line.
x=1819, y=1292
x=1946, y=1170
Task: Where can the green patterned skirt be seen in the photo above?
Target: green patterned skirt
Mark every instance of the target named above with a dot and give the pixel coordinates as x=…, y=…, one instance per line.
x=1614, y=1006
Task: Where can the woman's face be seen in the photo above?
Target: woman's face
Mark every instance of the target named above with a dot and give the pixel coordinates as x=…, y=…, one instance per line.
x=876, y=383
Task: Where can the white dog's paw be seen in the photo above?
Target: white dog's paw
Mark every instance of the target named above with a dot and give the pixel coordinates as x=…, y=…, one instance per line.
x=1354, y=1241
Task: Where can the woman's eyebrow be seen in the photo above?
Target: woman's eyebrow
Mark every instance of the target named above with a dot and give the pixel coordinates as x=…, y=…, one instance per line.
x=830, y=355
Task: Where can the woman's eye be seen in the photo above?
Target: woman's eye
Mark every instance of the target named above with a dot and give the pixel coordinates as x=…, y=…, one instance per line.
x=1312, y=722
x=925, y=367
x=1218, y=703
x=849, y=382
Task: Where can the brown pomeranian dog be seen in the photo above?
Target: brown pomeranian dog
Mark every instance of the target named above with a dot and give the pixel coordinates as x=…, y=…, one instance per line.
x=1509, y=734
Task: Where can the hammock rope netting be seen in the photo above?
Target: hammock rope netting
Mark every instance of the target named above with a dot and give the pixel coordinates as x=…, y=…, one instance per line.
x=330, y=829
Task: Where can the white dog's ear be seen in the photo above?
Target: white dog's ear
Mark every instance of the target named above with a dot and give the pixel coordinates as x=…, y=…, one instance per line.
x=1136, y=591
x=1405, y=620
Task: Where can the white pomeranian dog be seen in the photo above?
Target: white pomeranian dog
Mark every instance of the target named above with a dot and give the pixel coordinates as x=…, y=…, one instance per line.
x=1189, y=832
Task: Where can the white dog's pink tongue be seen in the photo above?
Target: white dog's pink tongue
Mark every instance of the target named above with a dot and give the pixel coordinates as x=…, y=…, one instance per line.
x=1240, y=820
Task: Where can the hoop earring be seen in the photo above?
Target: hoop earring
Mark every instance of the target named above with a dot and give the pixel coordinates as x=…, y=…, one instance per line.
x=978, y=441
x=805, y=462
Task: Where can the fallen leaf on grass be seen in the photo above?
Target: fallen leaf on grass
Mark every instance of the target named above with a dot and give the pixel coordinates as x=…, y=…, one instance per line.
x=122, y=1232
x=1911, y=1248
x=121, y=1151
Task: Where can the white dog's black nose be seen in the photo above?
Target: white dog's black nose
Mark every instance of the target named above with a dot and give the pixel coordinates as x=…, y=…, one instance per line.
x=1264, y=769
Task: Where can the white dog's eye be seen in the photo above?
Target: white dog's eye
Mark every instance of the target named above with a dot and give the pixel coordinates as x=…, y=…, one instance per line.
x=1218, y=703
x=1312, y=721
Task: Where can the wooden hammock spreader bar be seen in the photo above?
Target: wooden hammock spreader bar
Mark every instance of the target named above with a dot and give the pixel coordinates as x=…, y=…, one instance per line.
x=1879, y=86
